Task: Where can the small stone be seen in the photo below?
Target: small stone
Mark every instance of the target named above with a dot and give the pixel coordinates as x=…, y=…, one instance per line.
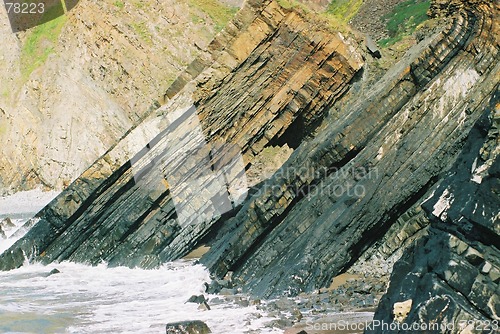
x=196, y=299
x=486, y=268
x=204, y=306
x=297, y=315
x=255, y=302
x=372, y=47
x=474, y=257
x=242, y=302
x=52, y=272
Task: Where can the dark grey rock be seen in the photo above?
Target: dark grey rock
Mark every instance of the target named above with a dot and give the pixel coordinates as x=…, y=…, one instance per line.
x=372, y=47
x=188, y=327
x=196, y=299
x=52, y=272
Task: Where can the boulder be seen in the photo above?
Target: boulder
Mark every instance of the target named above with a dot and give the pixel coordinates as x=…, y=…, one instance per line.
x=196, y=299
x=372, y=47
x=188, y=327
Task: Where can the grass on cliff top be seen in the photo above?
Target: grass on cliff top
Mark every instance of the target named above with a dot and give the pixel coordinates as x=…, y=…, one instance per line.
x=337, y=15
x=218, y=12
x=404, y=19
x=40, y=42
x=344, y=10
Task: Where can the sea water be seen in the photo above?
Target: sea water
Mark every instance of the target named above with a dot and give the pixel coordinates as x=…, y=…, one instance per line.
x=86, y=299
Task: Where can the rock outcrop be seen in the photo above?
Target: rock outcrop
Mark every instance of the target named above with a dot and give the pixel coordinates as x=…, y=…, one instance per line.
x=93, y=74
x=451, y=275
x=414, y=157
x=188, y=327
x=309, y=224
x=269, y=75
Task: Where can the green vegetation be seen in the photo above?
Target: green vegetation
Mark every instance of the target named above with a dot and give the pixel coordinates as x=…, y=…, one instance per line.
x=219, y=13
x=404, y=19
x=138, y=4
x=288, y=3
x=196, y=19
x=337, y=15
x=119, y=4
x=343, y=10
x=142, y=30
x=41, y=41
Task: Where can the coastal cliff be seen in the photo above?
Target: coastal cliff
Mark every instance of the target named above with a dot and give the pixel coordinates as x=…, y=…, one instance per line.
x=405, y=167
x=127, y=215
x=74, y=86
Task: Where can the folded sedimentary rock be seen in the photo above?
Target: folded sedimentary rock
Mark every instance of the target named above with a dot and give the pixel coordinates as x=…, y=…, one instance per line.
x=269, y=73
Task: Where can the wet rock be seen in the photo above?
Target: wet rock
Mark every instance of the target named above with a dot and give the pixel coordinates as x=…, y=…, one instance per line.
x=227, y=292
x=297, y=315
x=280, y=323
x=53, y=272
x=196, y=299
x=188, y=327
x=7, y=224
x=297, y=234
x=212, y=288
x=230, y=116
x=243, y=302
x=204, y=306
x=447, y=271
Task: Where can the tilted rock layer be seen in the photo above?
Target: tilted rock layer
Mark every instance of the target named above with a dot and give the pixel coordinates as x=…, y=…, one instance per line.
x=243, y=96
x=104, y=70
x=419, y=151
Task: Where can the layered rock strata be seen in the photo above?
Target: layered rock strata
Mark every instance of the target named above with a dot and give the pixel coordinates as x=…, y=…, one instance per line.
x=270, y=70
x=307, y=225
x=72, y=88
x=450, y=277
x=426, y=133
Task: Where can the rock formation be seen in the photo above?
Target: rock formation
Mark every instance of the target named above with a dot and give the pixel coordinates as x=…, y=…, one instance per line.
x=310, y=224
x=415, y=158
x=105, y=66
x=260, y=83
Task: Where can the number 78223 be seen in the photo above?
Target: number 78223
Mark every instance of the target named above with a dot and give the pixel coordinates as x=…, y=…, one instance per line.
x=25, y=8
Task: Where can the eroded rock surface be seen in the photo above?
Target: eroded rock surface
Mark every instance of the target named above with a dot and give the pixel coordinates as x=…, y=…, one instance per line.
x=270, y=73
x=106, y=65
x=409, y=166
x=307, y=225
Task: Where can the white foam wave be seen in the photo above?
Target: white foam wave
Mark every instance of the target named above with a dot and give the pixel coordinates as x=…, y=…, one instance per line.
x=83, y=299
